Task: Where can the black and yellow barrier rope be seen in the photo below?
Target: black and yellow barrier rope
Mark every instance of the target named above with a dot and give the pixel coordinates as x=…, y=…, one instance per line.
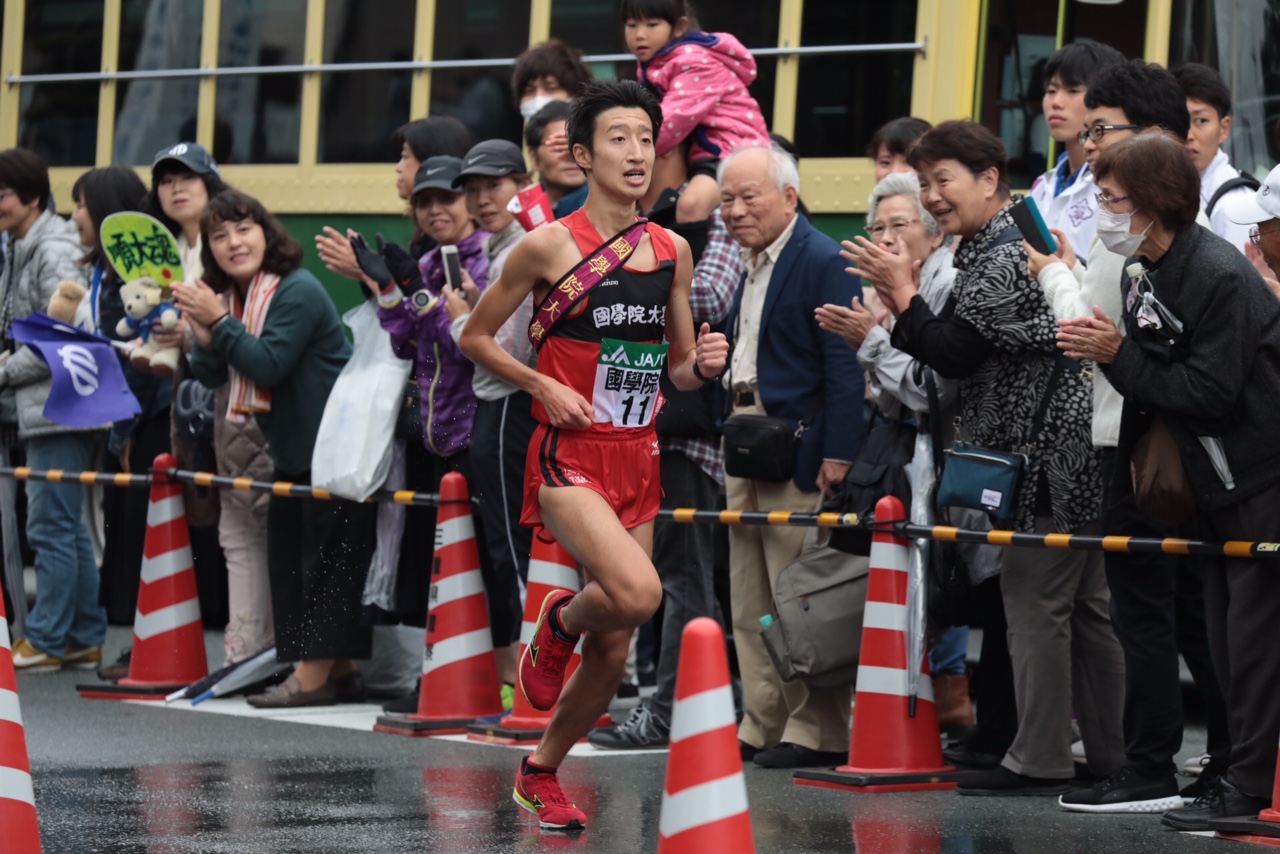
x=689, y=515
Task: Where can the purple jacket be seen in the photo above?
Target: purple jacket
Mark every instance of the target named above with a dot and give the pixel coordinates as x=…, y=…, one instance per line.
x=443, y=373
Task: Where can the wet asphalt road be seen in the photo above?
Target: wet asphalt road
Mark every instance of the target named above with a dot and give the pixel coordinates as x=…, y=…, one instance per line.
x=115, y=777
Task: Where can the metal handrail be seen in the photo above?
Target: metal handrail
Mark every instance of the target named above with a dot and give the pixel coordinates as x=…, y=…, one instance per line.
x=408, y=65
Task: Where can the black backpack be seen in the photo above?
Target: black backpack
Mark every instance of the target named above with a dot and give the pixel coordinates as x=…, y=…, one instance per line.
x=1243, y=180
x=879, y=470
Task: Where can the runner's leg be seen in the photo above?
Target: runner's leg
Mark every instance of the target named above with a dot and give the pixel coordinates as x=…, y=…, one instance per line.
x=622, y=591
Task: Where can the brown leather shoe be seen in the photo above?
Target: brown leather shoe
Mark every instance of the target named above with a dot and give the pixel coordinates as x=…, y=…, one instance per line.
x=951, y=696
x=349, y=688
x=289, y=694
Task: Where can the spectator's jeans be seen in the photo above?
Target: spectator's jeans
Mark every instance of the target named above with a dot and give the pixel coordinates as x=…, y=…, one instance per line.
x=685, y=558
x=67, y=612
x=947, y=656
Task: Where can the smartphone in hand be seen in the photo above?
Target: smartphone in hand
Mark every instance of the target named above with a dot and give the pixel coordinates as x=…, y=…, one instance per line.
x=452, y=267
x=1026, y=215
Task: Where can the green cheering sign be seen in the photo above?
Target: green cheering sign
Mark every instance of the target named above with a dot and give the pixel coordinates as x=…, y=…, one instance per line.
x=138, y=246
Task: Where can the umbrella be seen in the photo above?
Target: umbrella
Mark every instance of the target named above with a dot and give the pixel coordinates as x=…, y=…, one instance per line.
x=920, y=475
x=234, y=677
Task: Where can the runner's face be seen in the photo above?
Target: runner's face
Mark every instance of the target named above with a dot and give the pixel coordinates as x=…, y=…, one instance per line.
x=623, y=157
x=183, y=196
x=84, y=225
x=443, y=216
x=487, y=200
x=238, y=248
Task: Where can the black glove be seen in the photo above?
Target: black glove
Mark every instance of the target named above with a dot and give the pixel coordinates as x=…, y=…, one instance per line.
x=403, y=267
x=371, y=263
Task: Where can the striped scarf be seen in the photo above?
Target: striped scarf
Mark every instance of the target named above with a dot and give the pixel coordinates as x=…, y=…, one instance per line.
x=246, y=398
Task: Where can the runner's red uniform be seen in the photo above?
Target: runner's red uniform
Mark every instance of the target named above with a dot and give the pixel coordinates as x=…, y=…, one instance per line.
x=617, y=456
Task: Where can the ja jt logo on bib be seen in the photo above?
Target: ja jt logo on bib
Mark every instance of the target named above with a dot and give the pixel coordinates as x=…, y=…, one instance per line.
x=626, y=391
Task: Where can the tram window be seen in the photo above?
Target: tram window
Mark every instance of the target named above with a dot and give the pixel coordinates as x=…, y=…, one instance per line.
x=59, y=121
x=479, y=97
x=360, y=110
x=1020, y=39
x=1242, y=41
x=261, y=113
x=151, y=114
x=842, y=99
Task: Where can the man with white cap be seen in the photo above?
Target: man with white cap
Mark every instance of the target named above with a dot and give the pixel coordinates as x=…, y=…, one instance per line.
x=1262, y=211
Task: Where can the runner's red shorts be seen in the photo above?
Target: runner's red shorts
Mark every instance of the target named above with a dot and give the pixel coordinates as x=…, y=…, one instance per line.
x=622, y=466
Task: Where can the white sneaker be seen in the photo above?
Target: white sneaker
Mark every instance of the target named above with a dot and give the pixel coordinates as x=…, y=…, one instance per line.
x=1077, y=752
x=1196, y=764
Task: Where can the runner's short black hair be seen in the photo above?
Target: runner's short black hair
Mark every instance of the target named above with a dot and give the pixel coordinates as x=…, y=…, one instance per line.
x=1148, y=93
x=1076, y=64
x=670, y=11
x=601, y=95
x=1202, y=83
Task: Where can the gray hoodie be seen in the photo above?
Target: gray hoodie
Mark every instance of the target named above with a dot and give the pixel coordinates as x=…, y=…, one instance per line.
x=49, y=253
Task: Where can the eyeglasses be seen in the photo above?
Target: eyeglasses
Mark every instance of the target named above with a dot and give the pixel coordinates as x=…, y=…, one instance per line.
x=1105, y=202
x=1096, y=132
x=879, y=230
x=1255, y=234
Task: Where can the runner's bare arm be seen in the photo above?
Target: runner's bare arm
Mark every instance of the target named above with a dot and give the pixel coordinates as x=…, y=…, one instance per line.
x=708, y=350
x=529, y=263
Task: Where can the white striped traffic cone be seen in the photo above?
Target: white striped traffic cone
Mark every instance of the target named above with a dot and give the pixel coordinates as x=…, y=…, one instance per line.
x=704, y=801
x=168, y=638
x=19, y=830
x=890, y=750
x=550, y=568
x=459, y=673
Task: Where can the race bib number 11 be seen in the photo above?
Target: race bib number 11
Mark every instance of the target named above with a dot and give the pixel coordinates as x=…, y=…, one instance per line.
x=626, y=391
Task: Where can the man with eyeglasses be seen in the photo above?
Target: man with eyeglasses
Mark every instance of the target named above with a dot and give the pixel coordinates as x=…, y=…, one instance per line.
x=1146, y=590
x=1262, y=212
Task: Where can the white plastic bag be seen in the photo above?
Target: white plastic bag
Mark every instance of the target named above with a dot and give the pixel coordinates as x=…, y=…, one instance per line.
x=353, y=448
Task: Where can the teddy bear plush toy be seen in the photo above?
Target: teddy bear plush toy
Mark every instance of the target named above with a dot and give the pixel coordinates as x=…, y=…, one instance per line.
x=144, y=304
x=66, y=301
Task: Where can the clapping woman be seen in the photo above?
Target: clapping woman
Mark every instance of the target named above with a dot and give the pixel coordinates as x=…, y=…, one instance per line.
x=267, y=327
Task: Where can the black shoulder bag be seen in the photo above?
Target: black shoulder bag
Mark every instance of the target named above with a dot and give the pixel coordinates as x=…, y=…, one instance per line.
x=880, y=469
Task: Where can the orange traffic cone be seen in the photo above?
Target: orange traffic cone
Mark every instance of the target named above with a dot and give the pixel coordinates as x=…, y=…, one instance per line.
x=704, y=801
x=459, y=673
x=1263, y=830
x=550, y=568
x=890, y=750
x=19, y=831
x=168, y=638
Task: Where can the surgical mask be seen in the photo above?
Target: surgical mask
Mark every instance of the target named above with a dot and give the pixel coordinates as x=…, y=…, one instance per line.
x=530, y=108
x=1113, y=231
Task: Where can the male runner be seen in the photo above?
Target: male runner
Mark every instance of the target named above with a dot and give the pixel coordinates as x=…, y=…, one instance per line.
x=591, y=476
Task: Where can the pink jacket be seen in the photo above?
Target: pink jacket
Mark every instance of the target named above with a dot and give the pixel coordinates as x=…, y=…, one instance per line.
x=702, y=79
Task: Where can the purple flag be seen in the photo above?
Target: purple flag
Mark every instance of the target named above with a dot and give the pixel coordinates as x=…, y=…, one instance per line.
x=89, y=388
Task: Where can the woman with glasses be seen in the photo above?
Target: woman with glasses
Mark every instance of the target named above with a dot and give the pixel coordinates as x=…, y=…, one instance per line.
x=1201, y=350
x=996, y=335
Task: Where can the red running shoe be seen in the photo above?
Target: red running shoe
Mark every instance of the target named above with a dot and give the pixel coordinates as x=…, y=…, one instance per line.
x=541, y=795
x=543, y=663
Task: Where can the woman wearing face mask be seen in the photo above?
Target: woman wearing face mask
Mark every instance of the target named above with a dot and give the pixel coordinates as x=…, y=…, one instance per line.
x=134, y=444
x=266, y=326
x=1201, y=350
x=996, y=335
